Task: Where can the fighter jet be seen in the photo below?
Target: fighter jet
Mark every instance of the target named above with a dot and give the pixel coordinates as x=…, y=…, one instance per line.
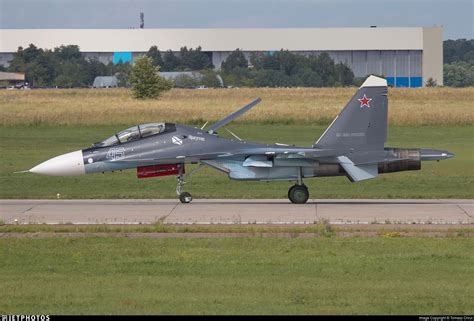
x=352, y=146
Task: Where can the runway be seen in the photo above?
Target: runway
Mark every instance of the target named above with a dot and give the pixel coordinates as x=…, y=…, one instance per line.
x=228, y=211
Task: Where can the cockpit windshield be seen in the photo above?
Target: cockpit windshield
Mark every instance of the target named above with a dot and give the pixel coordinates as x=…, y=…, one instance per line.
x=151, y=129
x=129, y=134
x=136, y=133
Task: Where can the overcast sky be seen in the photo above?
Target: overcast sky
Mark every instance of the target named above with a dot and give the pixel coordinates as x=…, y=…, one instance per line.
x=456, y=16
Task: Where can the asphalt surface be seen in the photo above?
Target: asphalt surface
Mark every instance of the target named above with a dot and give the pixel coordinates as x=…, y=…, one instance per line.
x=220, y=211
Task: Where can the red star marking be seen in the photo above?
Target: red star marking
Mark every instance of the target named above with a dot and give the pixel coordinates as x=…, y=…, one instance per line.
x=364, y=101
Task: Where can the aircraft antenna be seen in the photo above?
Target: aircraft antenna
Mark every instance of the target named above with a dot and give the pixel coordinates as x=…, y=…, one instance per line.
x=204, y=125
x=233, y=134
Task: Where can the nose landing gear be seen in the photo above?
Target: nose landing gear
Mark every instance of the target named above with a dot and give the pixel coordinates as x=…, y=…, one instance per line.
x=184, y=197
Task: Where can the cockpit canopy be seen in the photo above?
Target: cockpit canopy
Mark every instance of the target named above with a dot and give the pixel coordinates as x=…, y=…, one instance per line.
x=136, y=133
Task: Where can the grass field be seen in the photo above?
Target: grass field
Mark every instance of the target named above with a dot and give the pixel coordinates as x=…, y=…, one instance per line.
x=25, y=146
x=423, y=106
x=118, y=275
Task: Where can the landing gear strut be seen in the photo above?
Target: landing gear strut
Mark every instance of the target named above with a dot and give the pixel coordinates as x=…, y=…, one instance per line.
x=184, y=197
x=298, y=193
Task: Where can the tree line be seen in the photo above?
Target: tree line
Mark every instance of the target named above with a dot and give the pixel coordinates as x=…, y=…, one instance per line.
x=187, y=59
x=66, y=66
x=285, y=69
x=278, y=69
x=458, y=58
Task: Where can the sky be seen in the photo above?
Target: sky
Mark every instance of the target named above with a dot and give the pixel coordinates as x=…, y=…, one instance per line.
x=456, y=16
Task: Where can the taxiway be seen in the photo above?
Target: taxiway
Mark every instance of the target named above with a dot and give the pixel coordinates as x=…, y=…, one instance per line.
x=231, y=211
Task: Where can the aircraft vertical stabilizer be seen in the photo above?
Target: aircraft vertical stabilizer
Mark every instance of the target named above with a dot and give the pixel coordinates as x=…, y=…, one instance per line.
x=362, y=124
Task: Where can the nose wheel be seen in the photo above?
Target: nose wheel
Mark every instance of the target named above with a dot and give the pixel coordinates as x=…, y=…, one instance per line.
x=184, y=197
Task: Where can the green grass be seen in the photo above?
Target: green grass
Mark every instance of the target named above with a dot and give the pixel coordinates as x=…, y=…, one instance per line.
x=319, y=228
x=322, y=228
x=22, y=147
x=117, y=275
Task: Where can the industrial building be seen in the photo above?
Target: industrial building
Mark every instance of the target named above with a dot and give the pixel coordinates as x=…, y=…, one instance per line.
x=407, y=57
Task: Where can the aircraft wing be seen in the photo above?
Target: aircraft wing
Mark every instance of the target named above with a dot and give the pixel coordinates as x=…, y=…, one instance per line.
x=234, y=115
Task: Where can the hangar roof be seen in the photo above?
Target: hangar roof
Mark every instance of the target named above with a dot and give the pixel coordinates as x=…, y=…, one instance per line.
x=257, y=39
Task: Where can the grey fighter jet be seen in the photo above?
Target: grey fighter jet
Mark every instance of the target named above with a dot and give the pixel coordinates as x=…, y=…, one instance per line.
x=352, y=146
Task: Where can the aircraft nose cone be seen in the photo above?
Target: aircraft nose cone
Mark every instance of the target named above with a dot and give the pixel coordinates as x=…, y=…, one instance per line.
x=70, y=164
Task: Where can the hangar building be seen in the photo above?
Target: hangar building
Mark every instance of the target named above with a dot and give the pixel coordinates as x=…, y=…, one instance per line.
x=407, y=57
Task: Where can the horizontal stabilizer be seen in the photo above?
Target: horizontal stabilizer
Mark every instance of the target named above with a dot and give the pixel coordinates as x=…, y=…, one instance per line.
x=358, y=172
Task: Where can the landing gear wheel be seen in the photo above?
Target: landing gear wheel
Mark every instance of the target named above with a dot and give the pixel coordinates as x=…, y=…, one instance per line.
x=298, y=194
x=291, y=189
x=185, y=197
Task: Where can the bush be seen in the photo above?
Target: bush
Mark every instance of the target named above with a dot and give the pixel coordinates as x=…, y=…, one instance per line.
x=146, y=81
x=459, y=74
x=431, y=82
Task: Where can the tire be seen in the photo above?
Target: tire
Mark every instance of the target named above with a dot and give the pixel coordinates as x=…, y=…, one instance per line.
x=298, y=194
x=290, y=191
x=185, y=197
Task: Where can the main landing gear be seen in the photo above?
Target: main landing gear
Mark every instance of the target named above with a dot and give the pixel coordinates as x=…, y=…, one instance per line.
x=298, y=193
